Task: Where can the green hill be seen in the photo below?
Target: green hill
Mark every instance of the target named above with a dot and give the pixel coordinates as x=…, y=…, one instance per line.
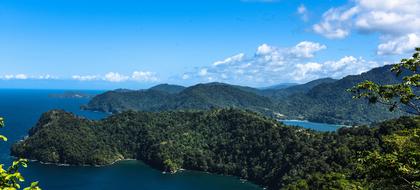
x=169, y=88
x=331, y=103
x=278, y=94
x=323, y=100
x=224, y=141
x=201, y=96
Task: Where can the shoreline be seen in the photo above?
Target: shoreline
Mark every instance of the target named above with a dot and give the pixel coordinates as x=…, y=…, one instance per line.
x=307, y=121
x=241, y=180
x=82, y=165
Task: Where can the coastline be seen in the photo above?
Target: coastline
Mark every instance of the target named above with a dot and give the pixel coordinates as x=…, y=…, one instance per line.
x=130, y=159
x=82, y=165
x=307, y=121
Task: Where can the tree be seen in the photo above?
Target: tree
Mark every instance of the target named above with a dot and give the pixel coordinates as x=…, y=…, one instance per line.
x=396, y=164
x=11, y=178
x=403, y=96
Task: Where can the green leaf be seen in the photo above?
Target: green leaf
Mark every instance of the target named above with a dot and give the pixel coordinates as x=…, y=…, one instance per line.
x=3, y=138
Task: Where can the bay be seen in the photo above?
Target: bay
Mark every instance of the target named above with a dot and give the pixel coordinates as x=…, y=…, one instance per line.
x=312, y=125
x=21, y=110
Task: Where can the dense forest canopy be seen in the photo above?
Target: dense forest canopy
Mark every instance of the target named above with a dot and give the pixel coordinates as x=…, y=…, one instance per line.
x=323, y=100
x=228, y=141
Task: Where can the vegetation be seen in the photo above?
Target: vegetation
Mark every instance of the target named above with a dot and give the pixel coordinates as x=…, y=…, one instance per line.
x=398, y=164
x=235, y=142
x=323, y=100
x=332, y=103
x=405, y=93
x=10, y=178
x=164, y=97
x=168, y=88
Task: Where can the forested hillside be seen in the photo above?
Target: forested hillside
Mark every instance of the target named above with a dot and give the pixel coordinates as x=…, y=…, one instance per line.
x=198, y=97
x=323, y=100
x=332, y=103
x=226, y=141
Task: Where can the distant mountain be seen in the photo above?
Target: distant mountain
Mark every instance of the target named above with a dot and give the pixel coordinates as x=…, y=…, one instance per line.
x=201, y=96
x=302, y=88
x=169, y=88
x=72, y=94
x=330, y=102
x=279, y=86
x=323, y=100
x=118, y=101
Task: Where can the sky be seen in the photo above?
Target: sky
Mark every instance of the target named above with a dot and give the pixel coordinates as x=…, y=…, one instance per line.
x=105, y=44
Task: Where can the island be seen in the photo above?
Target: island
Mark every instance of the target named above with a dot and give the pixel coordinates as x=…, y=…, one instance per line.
x=71, y=94
x=223, y=141
x=323, y=100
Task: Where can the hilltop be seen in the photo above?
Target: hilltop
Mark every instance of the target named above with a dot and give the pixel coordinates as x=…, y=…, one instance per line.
x=224, y=141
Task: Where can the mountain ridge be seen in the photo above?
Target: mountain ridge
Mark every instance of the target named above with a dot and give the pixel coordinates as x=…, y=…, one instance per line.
x=322, y=100
x=224, y=141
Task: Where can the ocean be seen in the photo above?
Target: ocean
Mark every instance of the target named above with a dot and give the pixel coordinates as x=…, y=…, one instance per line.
x=21, y=110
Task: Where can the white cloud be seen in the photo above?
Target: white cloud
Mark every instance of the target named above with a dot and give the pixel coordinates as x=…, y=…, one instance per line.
x=202, y=72
x=399, y=45
x=25, y=77
x=348, y=65
x=115, y=77
x=303, y=70
x=21, y=76
x=185, y=76
x=307, y=49
x=46, y=77
x=335, y=23
x=271, y=65
x=395, y=20
x=137, y=76
x=85, y=77
x=303, y=12
x=235, y=58
x=144, y=76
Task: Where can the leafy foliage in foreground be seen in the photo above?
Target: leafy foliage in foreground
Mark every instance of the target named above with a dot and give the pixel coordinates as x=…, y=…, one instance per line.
x=404, y=95
x=235, y=142
x=10, y=178
x=332, y=103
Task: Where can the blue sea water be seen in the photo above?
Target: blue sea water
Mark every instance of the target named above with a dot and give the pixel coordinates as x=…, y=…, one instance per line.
x=312, y=125
x=21, y=110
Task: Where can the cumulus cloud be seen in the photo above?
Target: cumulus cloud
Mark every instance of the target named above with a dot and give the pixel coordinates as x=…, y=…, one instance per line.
x=399, y=45
x=396, y=22
x=115, y=77
x=21, y=76
x=137, y=76
x=271, y=65
x=335, y=23
x=348, y=65
x=235, y=58
x=46, y=77
x=144, y=76
x=307, y=49
x=85, y=77
x=25, y=77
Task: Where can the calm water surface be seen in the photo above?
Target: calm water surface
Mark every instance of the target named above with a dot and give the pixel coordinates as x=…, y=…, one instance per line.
x=312, y=125
x=22, y=108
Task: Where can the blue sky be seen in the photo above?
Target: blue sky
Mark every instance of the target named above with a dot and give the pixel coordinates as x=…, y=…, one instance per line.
x=135, y=44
